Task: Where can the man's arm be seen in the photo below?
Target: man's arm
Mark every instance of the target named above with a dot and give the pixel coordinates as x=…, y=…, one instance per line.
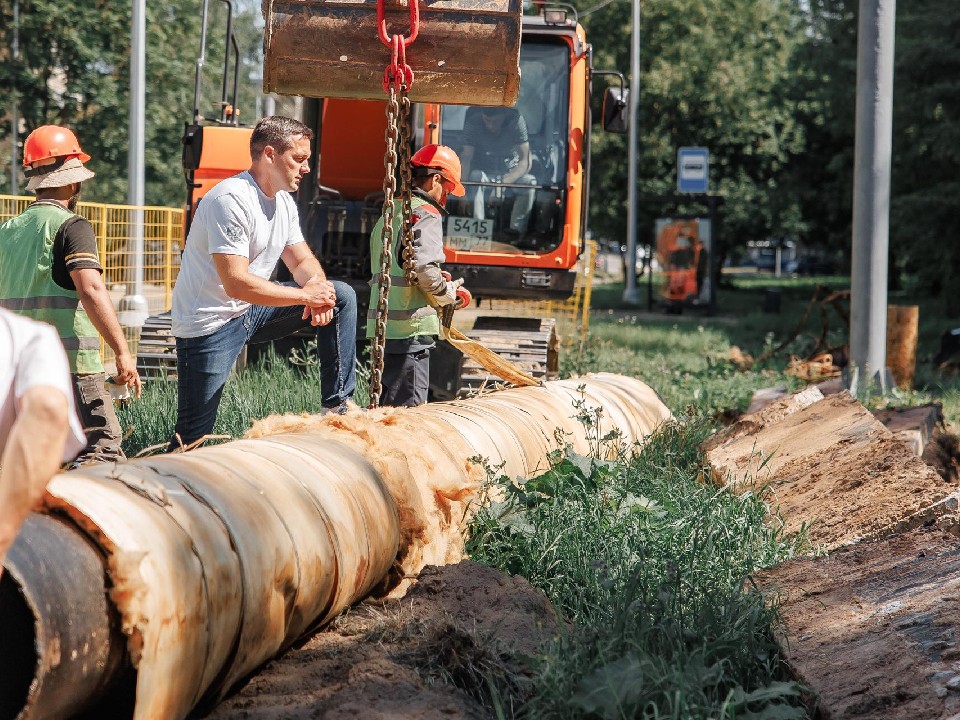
x=304, y=267
x=522, y=167
x=427, y=256
x=240, y=284
x=96, y=301
x=31, y=457
x=466, y=160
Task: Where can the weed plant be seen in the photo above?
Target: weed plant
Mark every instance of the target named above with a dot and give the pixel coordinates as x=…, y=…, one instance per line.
x=652, y=567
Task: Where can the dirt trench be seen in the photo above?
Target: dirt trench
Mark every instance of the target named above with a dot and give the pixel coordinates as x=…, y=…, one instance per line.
x=387, y=661
x=869, y=621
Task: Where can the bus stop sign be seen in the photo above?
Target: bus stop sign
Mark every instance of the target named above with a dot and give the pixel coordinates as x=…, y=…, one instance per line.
x=693, y=170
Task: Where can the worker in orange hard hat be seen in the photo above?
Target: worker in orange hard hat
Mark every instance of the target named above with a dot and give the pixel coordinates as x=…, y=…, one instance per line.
x=412, y=323
x=50, y=271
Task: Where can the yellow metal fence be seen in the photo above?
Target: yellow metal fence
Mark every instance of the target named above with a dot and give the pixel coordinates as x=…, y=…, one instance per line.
x=572, y=315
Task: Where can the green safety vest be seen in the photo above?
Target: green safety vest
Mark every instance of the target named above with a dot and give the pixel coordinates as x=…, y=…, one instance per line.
x=27, y=286
x=408, y=312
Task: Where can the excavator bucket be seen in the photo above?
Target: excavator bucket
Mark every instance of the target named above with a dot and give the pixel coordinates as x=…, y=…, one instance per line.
x=467, y=51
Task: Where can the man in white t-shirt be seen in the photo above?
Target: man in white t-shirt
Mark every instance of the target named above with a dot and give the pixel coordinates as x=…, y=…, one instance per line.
x=224, y=297
x=38, y=421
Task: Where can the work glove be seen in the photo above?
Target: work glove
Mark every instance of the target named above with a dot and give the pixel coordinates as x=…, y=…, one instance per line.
x=464, y=297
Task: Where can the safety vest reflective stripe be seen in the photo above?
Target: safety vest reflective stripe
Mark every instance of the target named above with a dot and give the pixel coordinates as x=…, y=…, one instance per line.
x=81, y=343
x=408, y=312
x=403, y=314
x=400, y=281
x=41, y=303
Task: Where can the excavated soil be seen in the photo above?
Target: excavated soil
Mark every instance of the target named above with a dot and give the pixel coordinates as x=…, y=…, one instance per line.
x=872, y=628
x=832, y=468
x=379, y=661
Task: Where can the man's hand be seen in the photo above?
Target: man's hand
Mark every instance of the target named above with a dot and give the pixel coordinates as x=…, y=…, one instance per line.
x=127, y=373
x=321, y=299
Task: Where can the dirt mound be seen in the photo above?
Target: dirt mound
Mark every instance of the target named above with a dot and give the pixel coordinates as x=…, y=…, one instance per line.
x=871, y=628
x=831, y=467
x=427, y=655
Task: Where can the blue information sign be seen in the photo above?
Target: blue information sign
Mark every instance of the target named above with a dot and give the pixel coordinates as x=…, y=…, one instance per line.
x=693, y=170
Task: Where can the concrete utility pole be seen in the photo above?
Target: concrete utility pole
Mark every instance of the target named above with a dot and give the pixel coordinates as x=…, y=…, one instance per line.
x=14, y=119
x=871, y=196
x=630, y=292
x=133, y=309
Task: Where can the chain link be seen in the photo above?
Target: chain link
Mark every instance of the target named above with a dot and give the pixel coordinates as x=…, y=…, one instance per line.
x=392, y=135
x=406, y=188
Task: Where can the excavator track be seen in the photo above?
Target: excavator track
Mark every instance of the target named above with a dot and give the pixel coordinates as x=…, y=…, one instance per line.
x=529, y=343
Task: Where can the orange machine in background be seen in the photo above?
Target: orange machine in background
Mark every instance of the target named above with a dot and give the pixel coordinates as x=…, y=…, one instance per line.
x=683, y=261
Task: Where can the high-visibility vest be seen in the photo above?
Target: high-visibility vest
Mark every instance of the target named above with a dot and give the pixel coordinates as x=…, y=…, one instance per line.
x=27, y=286
x=408, y=312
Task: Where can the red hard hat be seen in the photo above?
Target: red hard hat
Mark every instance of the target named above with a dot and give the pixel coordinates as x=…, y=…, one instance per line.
x=51, y=141
x=442, y=158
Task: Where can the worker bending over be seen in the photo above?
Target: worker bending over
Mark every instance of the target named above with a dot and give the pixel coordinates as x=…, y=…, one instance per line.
x=50, y=271
x=224, y=297
x=412, y=323
x=38, y=423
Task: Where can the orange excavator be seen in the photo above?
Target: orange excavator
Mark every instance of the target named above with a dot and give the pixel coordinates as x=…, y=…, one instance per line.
x=465, y=51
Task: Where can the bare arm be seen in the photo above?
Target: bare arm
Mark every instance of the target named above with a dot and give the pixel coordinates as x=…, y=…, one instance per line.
x=302, y=263
x=31, y=457
x=240, y=284
x=99, y=307
x=305, y=268
x=523, y=166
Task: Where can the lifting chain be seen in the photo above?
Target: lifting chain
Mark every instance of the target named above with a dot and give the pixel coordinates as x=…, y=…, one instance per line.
x=377, y=350
x=397, y=79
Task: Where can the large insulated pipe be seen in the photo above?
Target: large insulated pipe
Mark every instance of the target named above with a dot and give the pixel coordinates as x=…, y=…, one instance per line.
x=219, y=558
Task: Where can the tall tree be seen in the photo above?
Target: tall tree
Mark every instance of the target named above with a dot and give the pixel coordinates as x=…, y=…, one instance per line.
x=74, y=70
x=714, y=73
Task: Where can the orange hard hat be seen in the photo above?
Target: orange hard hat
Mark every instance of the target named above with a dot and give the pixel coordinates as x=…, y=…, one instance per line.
x=442, y=158
x=52, y=141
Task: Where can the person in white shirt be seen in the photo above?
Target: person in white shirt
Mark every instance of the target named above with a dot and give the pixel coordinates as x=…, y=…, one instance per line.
x=39, y=429
x=224, y=297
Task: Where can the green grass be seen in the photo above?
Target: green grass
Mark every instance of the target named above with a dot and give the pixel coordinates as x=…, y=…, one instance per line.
x=685, y=356
x=272, y=386
x=652, y=567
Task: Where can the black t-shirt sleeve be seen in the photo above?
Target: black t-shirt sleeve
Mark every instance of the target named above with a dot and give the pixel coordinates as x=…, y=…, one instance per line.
x=74, y=248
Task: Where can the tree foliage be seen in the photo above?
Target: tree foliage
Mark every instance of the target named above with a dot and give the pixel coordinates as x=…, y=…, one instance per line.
x=716, y=74
x=74, y=69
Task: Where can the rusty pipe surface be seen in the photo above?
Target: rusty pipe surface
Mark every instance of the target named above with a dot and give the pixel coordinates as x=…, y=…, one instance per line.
x=219, y=558
x=425, y=454
x=467, y=52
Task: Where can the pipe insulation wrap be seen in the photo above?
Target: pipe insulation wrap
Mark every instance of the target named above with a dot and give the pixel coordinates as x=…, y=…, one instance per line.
x=219, y=558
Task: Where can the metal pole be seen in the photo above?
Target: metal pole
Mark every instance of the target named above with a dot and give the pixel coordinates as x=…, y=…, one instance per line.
x=871, y=196
x=14, y=119
x=630, y=292
x=133, y=308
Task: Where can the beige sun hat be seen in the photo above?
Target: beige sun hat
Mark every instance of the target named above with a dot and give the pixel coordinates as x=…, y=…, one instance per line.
x=59, y=173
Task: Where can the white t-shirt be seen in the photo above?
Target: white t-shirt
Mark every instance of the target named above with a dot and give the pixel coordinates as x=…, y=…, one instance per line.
x=233, y=218
x=32, y=355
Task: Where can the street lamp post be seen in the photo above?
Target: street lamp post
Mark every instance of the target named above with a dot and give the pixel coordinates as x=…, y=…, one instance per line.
x=630, y=292
x=133, y=310
x=871, y=197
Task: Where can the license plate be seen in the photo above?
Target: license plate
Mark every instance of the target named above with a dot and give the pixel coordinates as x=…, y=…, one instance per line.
x=466, y=233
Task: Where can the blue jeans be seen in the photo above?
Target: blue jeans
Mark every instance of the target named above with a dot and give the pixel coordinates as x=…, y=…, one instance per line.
x=203, y=363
